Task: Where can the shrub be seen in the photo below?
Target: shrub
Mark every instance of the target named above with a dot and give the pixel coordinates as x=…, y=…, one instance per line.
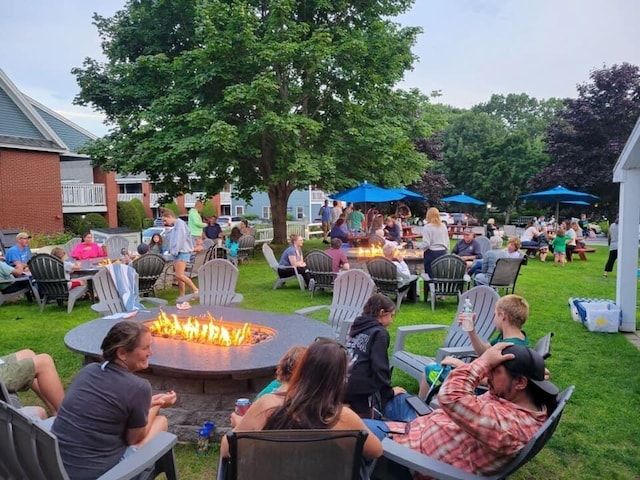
x=95, y=220
x=139, y=207
x=208, y=209
x=128, y=216
x=173, y=206
x=147, y=222
x=40, y=240
x=77, y=225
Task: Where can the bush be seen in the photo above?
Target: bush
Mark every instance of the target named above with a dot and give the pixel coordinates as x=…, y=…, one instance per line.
x=78, y=225
x=147, y=222
x=173, y=206
x=250, y=216
x=95, y=220
x=40, y=240
x=128, y=216
x=139, y=207
x=208, y=210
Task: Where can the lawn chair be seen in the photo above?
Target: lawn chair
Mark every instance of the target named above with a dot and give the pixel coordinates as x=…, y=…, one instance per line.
x=48, y=273
x=431, y=467
x=376, y=240
x=149, y=267
x=289, y=454
x=320, y=266
x=217, y=281
x=14, y=287
x=273, y=263
x=68, y=247
x=447, y=278
x=246, y=247
x=385, y=275
x=116, y=245
x=456, y=343
x=505, y=275
x=351, y=290
x=110, y=299
x=485, y=244
x=30, y=451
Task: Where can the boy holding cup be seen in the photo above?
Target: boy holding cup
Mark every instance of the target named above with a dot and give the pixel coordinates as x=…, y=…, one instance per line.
x=510, y=314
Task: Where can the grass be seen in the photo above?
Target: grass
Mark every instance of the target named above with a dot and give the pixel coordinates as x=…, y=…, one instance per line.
x=598, y=437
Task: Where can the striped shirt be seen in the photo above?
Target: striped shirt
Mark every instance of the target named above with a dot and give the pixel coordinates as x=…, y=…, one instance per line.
x=477, y=434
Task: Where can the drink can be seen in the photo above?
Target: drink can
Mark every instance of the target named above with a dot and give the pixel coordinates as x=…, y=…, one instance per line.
x=242, y=405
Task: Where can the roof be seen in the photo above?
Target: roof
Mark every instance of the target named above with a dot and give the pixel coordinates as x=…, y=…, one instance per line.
x=27, y=124
x=629, y=159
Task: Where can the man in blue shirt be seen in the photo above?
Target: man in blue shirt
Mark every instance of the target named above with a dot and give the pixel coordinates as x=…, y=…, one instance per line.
x=325, y=217
x=20, y=253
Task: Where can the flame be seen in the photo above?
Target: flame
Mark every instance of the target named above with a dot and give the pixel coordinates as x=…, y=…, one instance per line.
x=372, y=251
x=205, y=330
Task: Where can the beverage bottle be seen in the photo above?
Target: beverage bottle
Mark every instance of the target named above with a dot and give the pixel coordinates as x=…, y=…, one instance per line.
x=467, y=315
x=203, y=441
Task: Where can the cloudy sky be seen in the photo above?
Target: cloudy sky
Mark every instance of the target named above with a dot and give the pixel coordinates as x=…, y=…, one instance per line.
x=469, y=49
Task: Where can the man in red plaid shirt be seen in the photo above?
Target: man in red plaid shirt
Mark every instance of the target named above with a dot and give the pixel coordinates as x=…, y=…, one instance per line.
x=481, y=434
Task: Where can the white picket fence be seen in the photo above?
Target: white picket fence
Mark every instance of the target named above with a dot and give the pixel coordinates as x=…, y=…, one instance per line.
x=265, y=235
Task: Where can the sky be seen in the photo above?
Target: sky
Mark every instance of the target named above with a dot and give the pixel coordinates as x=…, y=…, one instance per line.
x=469, y=49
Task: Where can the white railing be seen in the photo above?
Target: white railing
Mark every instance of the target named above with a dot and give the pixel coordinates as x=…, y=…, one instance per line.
x=225, y=198
x=265, y=235
x=190, y=198
x=153, y=199
x=317, y=196
x=310, y=233
x=125, y=197
x=83, y=194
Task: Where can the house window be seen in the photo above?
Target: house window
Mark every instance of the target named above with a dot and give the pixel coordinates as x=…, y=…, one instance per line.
x=266, y=212
x=240, y=210
x=299, y=213
x=130, y=187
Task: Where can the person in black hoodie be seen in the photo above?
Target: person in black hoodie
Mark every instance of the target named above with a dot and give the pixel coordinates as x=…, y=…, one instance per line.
x=369, y=392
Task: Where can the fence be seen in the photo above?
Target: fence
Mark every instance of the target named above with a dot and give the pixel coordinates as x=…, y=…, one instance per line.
x=265, y=235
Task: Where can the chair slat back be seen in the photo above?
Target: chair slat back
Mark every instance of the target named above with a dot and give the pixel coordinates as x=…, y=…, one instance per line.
x=270, y=257
x=48, y=273
x=24, y=440
x=320, y=267
x=115, y=245
x=385, y=275
x=447, y=274
x=484, y=300
x=351, y=290
x=485, y=244
x=105, y=288
x=194, y=267
x=149, y=267
x=505, y=275
x=9, y=462
x=68, y=247
x=217, y=280
x=308, y=454
x=246, y=245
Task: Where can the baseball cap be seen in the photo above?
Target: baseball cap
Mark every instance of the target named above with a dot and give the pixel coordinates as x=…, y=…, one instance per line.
x=467, y=230
x=530, y=364
x=22, y=235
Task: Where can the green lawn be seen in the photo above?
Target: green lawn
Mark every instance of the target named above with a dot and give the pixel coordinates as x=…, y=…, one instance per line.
x=598, y=437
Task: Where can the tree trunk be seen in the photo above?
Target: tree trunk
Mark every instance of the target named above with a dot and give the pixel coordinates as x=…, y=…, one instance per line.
x=279, y=197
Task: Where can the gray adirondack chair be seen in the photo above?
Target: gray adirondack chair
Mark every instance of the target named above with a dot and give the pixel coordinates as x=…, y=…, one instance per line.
x=351, y=290
x=320, y=267
x=385, y=275
x=447, y=278
x=457, y=341
x=19, y=286
x=115, y=245
x=431, y=467
x=217, y=280
x=246, y=247
x=109, y=298
x=149, y=267
x=279, y=454
x=273, y=263
x=485, y=244
x=30, y=451
x=505, y=275
x=68, y=247
x=48, y=273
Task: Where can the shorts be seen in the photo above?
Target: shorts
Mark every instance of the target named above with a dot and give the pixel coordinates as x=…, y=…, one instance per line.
x=17, y=375
x=182, y=257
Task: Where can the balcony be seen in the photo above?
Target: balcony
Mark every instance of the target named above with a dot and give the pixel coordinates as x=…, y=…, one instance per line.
x=125, y=197
x=83, y=197
x=225, y=198
x=317, y=196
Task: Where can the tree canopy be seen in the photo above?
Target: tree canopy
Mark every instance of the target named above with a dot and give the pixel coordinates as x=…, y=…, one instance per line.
x=269, y=95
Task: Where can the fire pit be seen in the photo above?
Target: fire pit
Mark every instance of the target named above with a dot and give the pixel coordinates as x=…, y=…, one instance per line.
x=208, y=378
x=358, y=257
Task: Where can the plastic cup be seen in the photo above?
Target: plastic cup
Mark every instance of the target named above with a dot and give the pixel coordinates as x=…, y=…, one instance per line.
x=467, y=321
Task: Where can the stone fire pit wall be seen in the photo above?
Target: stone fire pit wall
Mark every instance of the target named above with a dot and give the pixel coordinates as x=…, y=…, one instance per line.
x=208, y=379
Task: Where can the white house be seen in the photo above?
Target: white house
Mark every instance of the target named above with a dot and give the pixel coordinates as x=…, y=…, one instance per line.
x=627, y=173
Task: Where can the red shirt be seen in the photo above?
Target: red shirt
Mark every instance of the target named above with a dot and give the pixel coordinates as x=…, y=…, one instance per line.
x=338, y=258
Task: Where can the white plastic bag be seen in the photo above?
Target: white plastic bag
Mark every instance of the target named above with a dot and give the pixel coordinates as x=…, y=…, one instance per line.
x=602, y=318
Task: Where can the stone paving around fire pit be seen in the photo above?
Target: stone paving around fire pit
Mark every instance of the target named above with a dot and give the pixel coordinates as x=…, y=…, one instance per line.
x=207, y=378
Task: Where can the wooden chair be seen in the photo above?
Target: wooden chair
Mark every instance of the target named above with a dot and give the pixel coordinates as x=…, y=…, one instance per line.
x=217, y=281
x=68, y=247
x=115, y=245
x=48, y=273
x=447, y=278
x=431, y=467
x=320, y=267
x=351, y=290
x=30, y=451
x=385, y=275
x=289, y=454
x=456, y=343
x=149, y=267
x=110, y=301
x=273, y=263
x=246, y=247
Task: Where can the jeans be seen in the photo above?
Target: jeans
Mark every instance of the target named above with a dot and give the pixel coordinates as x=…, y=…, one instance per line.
x=398, y=409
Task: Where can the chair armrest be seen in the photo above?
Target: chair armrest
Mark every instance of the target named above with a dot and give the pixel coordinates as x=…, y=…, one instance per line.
x=186, y=298
x=156, y=301
x=423, y=464
x=402, y=332
x=146, y=457
x=459, y=352
x=101, y=308
x=309, y=310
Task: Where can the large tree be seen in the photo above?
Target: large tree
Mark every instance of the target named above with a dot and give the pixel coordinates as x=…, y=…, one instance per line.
x=269, y=95
x=589, y=133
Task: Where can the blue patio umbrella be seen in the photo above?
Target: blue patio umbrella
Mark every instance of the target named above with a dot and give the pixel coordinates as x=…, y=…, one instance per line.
x=559, y=194
x=462, y=198
x=368, y=193
x=409, y=195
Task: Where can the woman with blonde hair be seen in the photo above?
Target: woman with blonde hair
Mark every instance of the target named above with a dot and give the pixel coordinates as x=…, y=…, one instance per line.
x=435, y=238
x=292, y=258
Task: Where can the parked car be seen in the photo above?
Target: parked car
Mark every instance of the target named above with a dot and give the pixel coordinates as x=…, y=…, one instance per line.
x=147, y=233
x=260, y=221
x=446, y=218
x=227, y=221
x=464, y=219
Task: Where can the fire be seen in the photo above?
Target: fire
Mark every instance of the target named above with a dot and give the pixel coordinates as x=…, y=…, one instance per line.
x=202, y=330
x=372, y=251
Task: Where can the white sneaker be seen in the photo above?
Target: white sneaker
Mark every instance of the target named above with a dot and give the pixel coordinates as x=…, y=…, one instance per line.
x=466, y=277
x=312, y=284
